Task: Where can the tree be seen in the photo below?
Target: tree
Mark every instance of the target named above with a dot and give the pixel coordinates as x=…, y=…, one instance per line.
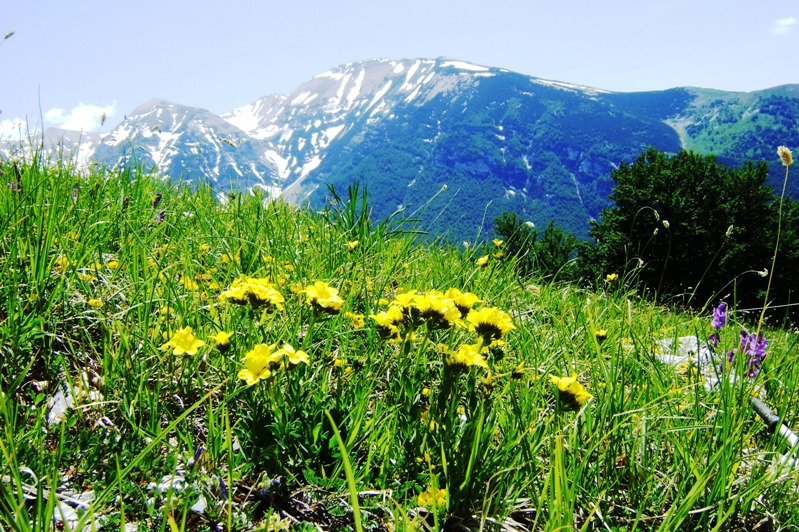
x=686, y=228
x=546, y=253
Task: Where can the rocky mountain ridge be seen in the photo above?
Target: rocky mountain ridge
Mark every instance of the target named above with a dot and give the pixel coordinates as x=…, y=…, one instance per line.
x=500, y=140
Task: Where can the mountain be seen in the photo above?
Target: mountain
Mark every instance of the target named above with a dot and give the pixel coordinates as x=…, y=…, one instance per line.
x=189, y=144
x=499, y=140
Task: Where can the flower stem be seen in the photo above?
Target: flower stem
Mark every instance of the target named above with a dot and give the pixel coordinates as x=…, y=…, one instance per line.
x=774, y=257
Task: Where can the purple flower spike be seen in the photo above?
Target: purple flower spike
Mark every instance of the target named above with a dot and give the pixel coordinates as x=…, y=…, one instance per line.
x=754, y=347
x=719, y=316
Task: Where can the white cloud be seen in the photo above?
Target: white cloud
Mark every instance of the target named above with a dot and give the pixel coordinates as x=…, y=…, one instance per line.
x=784, y=25
x=83, y=117
x=13, y=129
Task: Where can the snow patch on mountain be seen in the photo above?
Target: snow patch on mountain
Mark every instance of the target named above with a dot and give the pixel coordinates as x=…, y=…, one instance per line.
x=281, y=163
x=310, y=166
x=570, y=86
x=356, y=89
x=120, y=134
x=463, y=65
x=382, y=92
x=303, y=98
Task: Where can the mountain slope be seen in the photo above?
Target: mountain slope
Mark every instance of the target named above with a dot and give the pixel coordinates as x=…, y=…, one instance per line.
x=499, y=140
x=187, y=143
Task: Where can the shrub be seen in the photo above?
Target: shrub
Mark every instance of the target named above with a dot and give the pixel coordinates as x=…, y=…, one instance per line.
x=686, y=228
x=546, y=253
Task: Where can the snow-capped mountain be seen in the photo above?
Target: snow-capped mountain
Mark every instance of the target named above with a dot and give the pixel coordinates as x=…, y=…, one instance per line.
x=500, y=140
x=187, y=143
x=303, y=126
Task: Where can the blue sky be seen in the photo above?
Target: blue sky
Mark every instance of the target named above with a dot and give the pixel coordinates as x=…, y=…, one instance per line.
x=67, y=63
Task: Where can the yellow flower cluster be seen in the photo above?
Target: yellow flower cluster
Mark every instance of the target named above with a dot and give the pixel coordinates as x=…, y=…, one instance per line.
x=433, y=309
x=256, y=292
x=433, y=497
x=323, y=298
x=467, y=355
x=263, y=360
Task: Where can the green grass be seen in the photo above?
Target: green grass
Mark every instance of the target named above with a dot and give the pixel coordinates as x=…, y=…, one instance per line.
x=96, y=275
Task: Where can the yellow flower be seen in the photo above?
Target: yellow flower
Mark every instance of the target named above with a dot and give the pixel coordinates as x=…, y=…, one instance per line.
x=785, y=155
x=612, y=277
x=294, y=356
x=253, y=291
x=437, y=311
x=259, y=363
x=357, y=319
x=183, y=342
x=464, y=301
x=405, y=299
x=96, y=303
x=490, y=323
x=62, y=263
x=112, y=264
x=228, y=258
x=433, y=497
x=388, y=322
x=323, y=297
x=570, y=392
x=262, y=292
x=86, y=277
x=352, y=244
x=601, y=335
x=498, y=242
x=482, y=261
x=222, y=340
x=189, y=284
x=467, y=355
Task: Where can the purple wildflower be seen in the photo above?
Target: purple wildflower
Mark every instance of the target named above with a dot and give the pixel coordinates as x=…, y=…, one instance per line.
x=713, y=339
x=753, y=346
x=719, y=319
x=719, y=316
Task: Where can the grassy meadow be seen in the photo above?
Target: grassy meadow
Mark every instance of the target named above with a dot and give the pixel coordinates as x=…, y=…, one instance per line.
x=172, y=362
